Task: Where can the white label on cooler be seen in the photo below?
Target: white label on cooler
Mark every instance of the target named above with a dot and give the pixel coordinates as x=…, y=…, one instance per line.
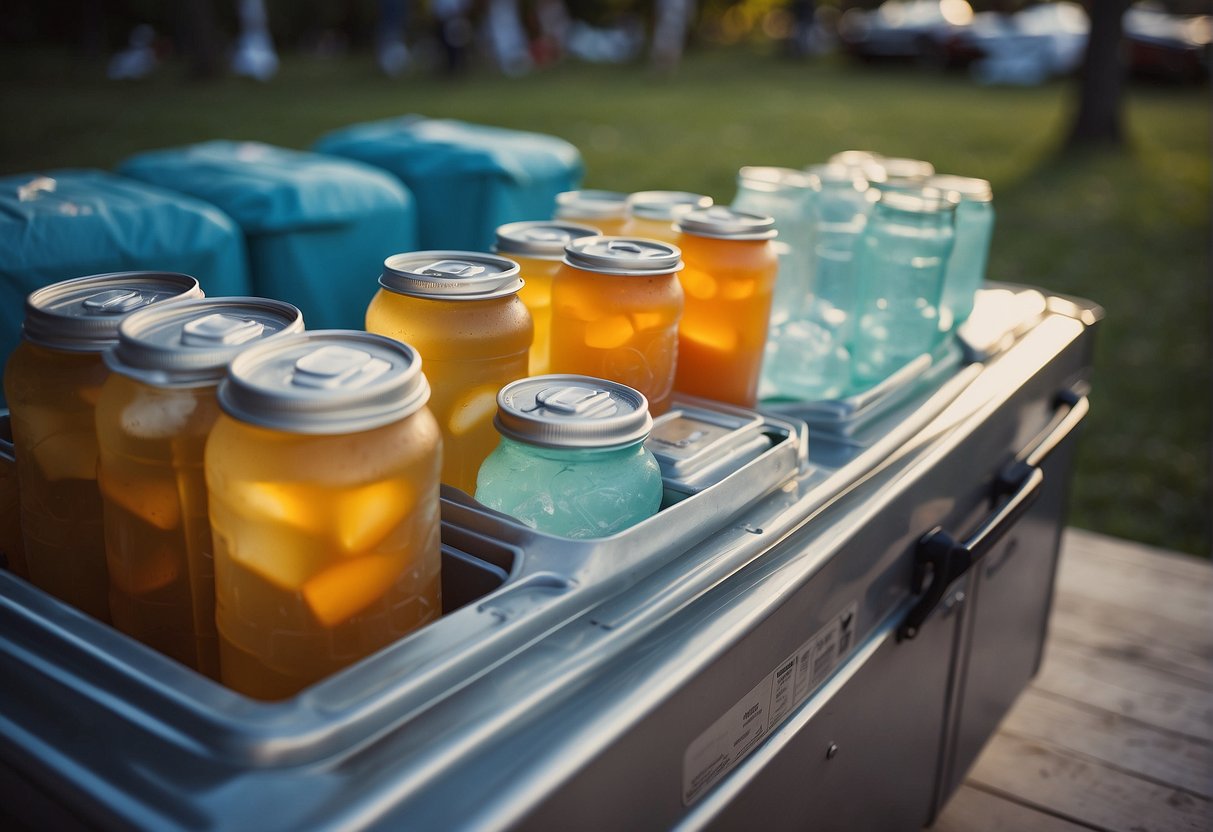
x=719, y=749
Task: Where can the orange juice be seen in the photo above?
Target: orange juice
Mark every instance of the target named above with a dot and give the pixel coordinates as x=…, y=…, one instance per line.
x=729, y=282
x=462, y=313
x=155, y=412
x=605, y=210
x=651, y=214
x=616, y=303
x=322, y=473
x=52, y=381
x=538, y=247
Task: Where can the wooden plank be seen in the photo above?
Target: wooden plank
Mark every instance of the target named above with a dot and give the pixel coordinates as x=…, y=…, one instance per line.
x=973, y=809
x=1135, y=584
x=1084, y=543
x=1150, y=639
x=1123, y=744
x=1127, y=689
x=1081, y=789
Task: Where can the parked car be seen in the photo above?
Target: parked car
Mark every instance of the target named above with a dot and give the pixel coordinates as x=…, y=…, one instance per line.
x=1167, y=46
x=903, y=29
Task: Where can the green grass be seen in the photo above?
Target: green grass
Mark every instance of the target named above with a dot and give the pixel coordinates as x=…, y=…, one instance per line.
x=1128, y=229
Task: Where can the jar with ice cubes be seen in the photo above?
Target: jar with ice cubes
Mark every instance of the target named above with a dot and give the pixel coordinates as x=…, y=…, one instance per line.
x=322, y=473
x=52, y=382
x=153, y=417
x=572, y=460
x=461, y=311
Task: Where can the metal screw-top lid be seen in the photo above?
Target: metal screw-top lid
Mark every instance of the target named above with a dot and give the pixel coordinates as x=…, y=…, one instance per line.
x=568, y=411
x=919, y=200
x=726, y=224
x=665, y=205
x=967, y=188
x=903, y=171
x=542, y=239
x=192, y=341
x=83, y=314
x=325, y=382
x=633, y=256
x=450, y=275
x=772, y=179
x=601, y=205
x=854, y=158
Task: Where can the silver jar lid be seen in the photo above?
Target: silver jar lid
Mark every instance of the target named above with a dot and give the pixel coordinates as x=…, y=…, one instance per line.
x=724, y=223
x=628, y=256
x=898, y=171
x=967, y=188
x=450, y=275
x=329, y=381
x=772, y=179
x=665, y=206
x=600, y=205
x=919, y=200
x=193, y=341
x=542, y=239
x=572, y=412
x=83, y=314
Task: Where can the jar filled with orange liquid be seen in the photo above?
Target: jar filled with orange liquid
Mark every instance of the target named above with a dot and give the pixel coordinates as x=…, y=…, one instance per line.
x=322, y=473
x=729, y=282
x=52, y=382
x=461, y=312
x=538, y=247
x=651, y=214
x=155, y=412
x=616, y=303
x=605, y=210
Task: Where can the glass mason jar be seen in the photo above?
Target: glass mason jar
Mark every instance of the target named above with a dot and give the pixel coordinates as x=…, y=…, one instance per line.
x=572, y=460
x=52, y=382
x=651, y=214
x=898, y=174
x=616, y=303
x=538, y=247
x=605, y=210
x=729, y=281
x=974, y=231
x=901, y=262
x=322, y=473
x=459, y=310
x=785, y=195
x=153, y=417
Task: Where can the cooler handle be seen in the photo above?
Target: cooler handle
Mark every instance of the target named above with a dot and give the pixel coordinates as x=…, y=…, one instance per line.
x=940, y=559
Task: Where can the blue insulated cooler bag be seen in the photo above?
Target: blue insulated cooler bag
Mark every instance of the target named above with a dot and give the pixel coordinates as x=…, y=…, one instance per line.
x=318, y=228
x=467, y=178
x=69, y=223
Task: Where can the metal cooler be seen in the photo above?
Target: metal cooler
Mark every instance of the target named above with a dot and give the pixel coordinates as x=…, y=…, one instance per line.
x=819, y=631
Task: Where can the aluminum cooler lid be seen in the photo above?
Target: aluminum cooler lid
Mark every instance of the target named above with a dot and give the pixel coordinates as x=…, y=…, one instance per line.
x=542, y=239
x=193, y=341
x=328, y=381
x=450, y=275
x=697, y=445
x=83, y=314
x=572, y=412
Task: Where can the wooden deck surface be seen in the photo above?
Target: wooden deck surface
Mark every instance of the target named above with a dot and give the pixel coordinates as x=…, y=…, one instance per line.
x=1116, y=731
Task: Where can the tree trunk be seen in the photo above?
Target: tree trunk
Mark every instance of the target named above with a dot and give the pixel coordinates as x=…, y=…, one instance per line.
x=1098, y=121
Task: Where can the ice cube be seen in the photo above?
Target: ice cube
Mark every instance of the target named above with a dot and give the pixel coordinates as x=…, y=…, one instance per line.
x=71, y=455
x=608, y=333
x=647, y=320
x=738, y=289
x=367, y=515
x=152, y=416
x=154, y=501
x=708, y=336
x=348, y=587
x=306, y=507
x=698, y=284
x=474, y=408
x=286, y=556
